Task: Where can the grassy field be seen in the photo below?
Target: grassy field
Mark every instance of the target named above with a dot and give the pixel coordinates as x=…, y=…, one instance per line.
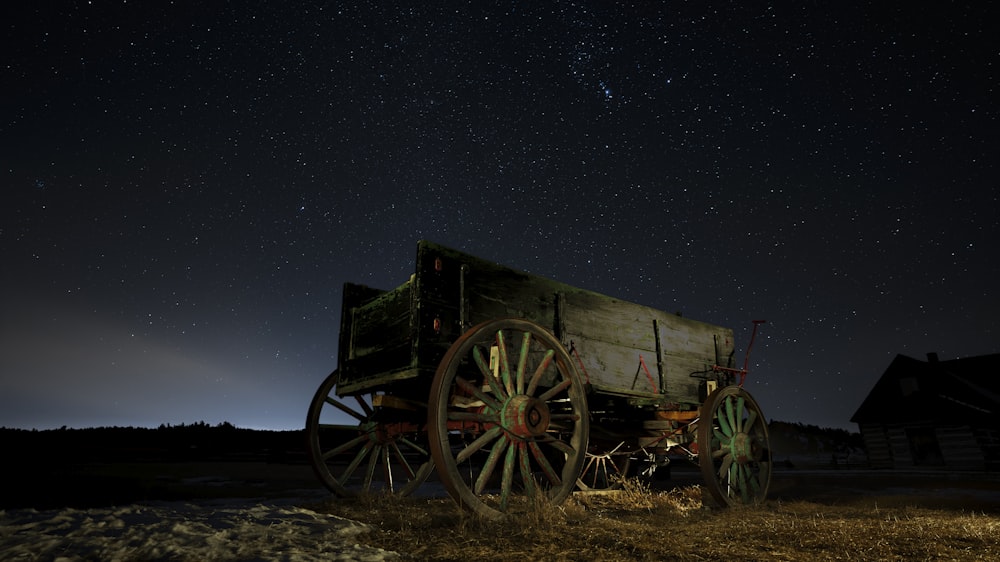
x=637, y=523
x=810, y=514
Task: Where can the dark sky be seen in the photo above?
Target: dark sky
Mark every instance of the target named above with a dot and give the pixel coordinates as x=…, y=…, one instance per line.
x=187, y=185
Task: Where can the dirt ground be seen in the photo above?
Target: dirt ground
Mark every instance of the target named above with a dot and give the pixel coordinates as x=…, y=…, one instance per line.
x=810, y=515
x=974, y=491
x=979, y=491
x=104, y=484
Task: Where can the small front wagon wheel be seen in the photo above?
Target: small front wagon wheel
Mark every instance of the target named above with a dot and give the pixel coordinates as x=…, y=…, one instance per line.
x=357, y=447
x=733, y=449
x=508, y=418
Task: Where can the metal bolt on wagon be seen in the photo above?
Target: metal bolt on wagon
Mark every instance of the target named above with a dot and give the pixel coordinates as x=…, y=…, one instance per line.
x=511, y=385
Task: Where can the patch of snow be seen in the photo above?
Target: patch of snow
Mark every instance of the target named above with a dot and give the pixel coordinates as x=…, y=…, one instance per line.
x=184, y=531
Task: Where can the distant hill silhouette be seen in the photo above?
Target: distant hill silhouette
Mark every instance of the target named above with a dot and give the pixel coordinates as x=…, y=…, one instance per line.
x=117, y=465
x=793, y=444
x=195, y=442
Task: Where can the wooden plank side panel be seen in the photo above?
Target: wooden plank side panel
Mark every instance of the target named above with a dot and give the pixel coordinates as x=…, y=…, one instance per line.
x=382, y=323
x=379, y=339
x=611, y=335
x=353, y=296
x=408, y=329
x=499, y=292
x=456, y=291
x=465, y=287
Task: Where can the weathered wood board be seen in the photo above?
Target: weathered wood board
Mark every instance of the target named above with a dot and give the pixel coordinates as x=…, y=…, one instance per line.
x=403, y=333
x=616, y=342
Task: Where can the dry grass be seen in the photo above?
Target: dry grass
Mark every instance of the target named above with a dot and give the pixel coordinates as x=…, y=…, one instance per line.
x=636, y=523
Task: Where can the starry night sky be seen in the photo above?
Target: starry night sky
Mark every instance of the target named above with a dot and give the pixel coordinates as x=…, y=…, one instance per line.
x=187, y=185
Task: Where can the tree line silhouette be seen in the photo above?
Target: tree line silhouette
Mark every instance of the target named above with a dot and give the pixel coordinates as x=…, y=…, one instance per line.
x=184, y=442
x=200, y=441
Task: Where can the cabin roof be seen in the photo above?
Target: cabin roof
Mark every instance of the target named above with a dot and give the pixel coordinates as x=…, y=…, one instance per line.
x=957, y=391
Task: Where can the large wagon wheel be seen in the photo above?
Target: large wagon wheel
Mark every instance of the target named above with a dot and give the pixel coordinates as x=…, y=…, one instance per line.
x=733, y=448
x=356, y=447
x=515, y=424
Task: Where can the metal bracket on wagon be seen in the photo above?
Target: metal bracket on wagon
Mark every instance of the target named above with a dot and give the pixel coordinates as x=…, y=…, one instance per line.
x=742, y=373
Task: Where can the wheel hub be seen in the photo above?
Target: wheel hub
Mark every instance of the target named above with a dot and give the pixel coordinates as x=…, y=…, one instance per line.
x=742, y=448
x=525, y=416
x=376, y=432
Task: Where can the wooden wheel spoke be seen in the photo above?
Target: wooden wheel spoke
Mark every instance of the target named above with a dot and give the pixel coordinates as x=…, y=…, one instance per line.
x=562, y=422
x=480, y=417
x=522, y=362
x=739, y=414
x=346, y=409
x=730, y=416
x=597, y=474
x=482, y=363
x=561, y=446
x=413, y=446
x=724, y=440
x=478, y=444
x=373, y=459
x=555, y=390
x=355, y=462
x=478, y=393
x=507, y=479
x=744, y=476
x=491, y=464
x=364, y=405
x=539, y=371
x=484, y=369
x=723, y=424
x=613, y=451
x=345, y=447
x=387, y=468
x=727, y=464
x=598, y=471
x=504, y=363
x=527, y=478
x=544, y=463
x=401, y=460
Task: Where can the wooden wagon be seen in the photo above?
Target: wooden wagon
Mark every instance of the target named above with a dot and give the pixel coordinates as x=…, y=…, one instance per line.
x=512, y=385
